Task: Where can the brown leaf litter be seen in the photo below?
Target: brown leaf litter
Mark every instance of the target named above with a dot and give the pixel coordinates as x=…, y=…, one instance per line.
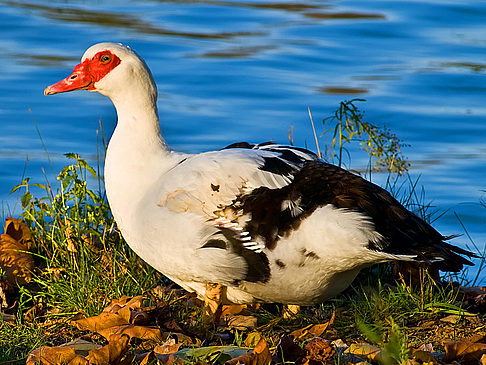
x=135, y=330
x=112, y=353
x=259, y=356
x=15, y=259
x=128, y=316
x=313, y=330
x=466, y=351
x=135, y=333
x=124, y=323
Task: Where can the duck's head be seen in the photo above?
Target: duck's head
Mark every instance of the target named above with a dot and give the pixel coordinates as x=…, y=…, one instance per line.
x=108, y=68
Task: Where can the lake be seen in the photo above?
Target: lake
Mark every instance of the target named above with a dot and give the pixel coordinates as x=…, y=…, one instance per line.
x=231, y=71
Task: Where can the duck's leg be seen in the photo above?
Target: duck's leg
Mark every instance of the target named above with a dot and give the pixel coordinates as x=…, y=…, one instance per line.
x=212, y=301
x=290, y=311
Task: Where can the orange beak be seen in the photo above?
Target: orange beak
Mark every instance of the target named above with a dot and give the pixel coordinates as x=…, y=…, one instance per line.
x=80, y=79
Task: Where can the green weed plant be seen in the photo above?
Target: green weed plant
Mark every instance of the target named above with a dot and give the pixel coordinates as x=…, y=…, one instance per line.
x=83, y=261
x=347, y=125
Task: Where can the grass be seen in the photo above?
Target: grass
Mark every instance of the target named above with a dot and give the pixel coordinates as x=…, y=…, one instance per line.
x=18, y=339
x=82, y=262
x=82, y=259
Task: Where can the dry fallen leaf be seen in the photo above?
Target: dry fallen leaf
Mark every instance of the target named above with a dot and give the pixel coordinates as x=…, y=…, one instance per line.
x=51, y=355
x=141, y=317
x=82, y=347
x=15, y=260
x=168, y=347
x=366, y=351
x=483, y=360
x=262, y=353
x=259, y=356
x=240, y=322
x=237, y=317
x=126, y=310
x=312, y=330
x=128, y=314
x=453, y=319
x=232, y=310
x=78, y=360
x=125, y=301
x=320, y=351
x=142, y=332
x=252, y=339
x=424, y=356
x=117, y=324
x=465, y=351
x=72, y=353
x=18, y=230
x=100, y=322
x=116, y=314
x=426, y=347
x=112, y=353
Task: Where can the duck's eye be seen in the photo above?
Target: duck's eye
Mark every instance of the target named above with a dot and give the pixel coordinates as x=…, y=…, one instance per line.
x=105, y=58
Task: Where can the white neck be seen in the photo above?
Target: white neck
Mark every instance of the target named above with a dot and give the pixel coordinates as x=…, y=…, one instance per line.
x=138, y=121
x=137, y=154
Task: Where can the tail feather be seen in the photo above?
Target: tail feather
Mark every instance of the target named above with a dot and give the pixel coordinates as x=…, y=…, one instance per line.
x=452, y=259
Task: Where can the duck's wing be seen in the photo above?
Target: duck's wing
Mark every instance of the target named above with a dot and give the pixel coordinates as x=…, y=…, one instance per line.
x=206, y=182
x=251, y=196
x=212, y=186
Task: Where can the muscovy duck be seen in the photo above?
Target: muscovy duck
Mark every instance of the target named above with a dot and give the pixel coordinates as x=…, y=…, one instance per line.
x=267, y=222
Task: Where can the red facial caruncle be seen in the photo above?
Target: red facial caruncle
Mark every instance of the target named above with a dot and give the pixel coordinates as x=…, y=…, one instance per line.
x=86, y=74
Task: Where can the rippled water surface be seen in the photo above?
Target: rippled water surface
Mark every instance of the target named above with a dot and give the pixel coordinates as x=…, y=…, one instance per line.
x=232, y=71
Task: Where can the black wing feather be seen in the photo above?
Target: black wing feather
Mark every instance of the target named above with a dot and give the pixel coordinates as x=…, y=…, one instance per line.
x=318, y=184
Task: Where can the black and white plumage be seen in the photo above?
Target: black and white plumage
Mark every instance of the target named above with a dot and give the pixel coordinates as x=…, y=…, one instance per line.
x=269, y=222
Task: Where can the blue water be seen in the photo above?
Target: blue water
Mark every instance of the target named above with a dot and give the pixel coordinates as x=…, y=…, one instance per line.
x=232, y=71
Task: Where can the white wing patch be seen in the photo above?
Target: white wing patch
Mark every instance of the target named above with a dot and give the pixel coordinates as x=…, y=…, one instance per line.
x=240, y=234
x=293, y=206
x=205, y=183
